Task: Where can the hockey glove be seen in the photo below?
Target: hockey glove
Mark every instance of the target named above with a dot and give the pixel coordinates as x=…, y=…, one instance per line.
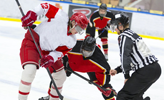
x=66, y=66
x=47, y=61
x=29, y=19
x=107, y=92
x=68, y=70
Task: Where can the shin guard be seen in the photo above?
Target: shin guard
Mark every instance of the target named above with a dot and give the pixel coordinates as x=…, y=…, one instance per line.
x=59, y=78
x=25, y=84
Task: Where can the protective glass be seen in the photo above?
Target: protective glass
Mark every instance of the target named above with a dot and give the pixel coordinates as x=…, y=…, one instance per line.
x=79, y=29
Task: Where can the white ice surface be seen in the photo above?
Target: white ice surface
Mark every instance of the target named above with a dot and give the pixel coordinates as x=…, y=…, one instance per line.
x=75, y=88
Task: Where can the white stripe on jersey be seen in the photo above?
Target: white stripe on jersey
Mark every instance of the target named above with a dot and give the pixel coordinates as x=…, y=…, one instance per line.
x=140, y=55
x=123, y=43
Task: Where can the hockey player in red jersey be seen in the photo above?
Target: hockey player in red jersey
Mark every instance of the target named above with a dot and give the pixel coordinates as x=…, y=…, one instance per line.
x=100, y=20
x=54, y=37
x=86, y=57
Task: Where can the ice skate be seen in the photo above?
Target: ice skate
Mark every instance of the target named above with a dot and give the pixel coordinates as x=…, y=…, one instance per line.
x=147, y=98
x=44, y=98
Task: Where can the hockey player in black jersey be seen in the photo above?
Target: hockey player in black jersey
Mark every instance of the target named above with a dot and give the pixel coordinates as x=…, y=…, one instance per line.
x=88, y=58
x=136, y=56
x=99, y=20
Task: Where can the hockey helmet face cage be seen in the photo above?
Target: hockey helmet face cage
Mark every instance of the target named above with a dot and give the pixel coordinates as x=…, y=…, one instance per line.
x=113, y=25
x=78, y=29
x=119, y=18
x=104, y=7
x=87, y=53
x=81, y=21
x=88, y=46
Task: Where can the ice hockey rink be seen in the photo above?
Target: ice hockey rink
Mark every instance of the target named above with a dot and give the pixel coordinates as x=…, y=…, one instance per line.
x=75, y=88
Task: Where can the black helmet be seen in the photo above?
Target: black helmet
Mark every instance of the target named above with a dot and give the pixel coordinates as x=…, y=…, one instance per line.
x=103, y=6
x=88, y=46
x=119, y=18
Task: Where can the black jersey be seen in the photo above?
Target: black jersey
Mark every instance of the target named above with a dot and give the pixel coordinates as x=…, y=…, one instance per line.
x=134, y=53
x=97, y=58
x=98, y=22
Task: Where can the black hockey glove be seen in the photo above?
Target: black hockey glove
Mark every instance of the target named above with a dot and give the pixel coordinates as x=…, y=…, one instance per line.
x=68, y=70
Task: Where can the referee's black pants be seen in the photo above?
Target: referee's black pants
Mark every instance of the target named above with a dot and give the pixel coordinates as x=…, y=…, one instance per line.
x=139, y=82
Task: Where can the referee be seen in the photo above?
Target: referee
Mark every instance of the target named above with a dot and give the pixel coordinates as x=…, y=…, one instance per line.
x=136, y=56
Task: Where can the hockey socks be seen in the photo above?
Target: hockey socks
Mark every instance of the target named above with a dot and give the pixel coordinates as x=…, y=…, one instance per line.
x=27, y=77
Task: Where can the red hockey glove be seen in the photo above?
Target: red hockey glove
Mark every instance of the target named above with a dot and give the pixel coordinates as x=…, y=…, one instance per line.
x=107, y=92
x=47, y=61
x=29, y=19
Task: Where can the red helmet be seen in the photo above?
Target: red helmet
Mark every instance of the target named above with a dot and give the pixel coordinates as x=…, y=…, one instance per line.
x=80, y=19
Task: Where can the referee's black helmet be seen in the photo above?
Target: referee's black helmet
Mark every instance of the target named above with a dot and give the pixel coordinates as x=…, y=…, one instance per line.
x=120, y=18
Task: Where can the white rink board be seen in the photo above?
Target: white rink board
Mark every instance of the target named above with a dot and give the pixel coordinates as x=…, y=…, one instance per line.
x=148, y=24
x=145, y=24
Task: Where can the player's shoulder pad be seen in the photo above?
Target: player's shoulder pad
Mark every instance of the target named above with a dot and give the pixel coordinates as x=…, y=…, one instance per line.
x=95, y=14
x=110, y=14
x=96, y=11
x=108, y=11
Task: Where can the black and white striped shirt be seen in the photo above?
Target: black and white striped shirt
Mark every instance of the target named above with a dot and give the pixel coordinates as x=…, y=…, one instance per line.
x=134, y=53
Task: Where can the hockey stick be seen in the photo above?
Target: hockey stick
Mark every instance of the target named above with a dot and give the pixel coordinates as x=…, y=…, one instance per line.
x=70, y=70
x=100, y=33
x=60, y=96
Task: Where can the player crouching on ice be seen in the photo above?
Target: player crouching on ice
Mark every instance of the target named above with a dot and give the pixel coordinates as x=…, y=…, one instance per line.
x=54, y=37
x=136, y=56
x=86, y=57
